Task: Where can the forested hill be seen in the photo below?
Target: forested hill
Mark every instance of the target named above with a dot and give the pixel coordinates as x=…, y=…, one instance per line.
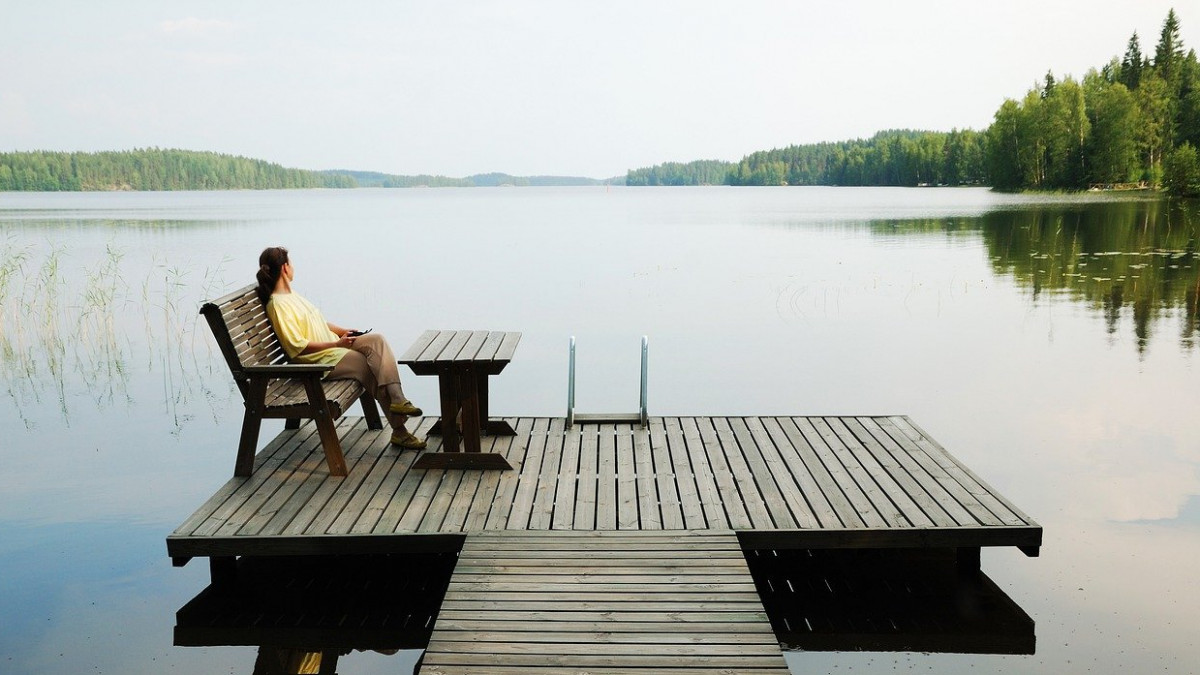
x=152, y=169
x=387, y=180
x=155, y=169
x=1133, y=122
x=898, y=157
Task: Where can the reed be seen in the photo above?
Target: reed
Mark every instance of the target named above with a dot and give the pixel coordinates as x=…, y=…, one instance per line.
x=68, y=333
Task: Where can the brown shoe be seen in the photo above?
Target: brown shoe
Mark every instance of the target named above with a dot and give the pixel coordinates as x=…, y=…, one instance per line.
x=405, y=407
x=407, y=441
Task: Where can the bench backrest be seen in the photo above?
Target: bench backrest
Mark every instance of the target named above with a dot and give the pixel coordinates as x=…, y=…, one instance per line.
x=239, y=323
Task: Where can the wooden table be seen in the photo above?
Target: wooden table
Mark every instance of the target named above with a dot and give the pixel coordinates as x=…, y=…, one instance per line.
x=463, y=360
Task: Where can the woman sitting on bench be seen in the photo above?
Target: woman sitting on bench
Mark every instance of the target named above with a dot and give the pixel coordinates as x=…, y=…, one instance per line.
x=308, y=338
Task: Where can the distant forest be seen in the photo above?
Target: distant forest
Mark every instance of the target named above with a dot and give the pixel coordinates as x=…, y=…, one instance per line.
x=1133, y=123
x=156, y=169
x=898, y=157
x=152, y=169
x=387, y=180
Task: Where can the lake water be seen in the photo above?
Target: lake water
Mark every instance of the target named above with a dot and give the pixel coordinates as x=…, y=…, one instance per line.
x=1050, y=343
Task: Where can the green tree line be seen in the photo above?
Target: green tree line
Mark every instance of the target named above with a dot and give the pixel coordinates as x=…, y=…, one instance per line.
x=1135, y=120
x=152, y=169
x=895, y=157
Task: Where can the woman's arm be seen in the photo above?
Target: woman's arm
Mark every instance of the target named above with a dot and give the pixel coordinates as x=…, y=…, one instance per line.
x=344, y=341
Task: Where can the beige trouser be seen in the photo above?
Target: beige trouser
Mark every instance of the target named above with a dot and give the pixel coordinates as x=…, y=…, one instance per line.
x=371, y=362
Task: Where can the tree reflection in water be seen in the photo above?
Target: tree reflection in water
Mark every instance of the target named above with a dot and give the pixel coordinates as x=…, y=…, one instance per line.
x=1132, y=258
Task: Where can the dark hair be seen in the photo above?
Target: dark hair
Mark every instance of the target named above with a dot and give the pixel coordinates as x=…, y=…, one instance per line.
x=270, y=266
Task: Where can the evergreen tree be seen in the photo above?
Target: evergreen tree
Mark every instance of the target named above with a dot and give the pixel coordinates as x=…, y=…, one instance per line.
x=1132, y=63
x=1168, y=55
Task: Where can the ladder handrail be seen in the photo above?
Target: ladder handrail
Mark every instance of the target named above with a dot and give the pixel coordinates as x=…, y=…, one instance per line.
x=571, y=385
x=645, y=376
x=643, y=415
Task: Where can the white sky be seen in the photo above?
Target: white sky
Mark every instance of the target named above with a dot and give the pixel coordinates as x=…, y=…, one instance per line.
x=563, y=87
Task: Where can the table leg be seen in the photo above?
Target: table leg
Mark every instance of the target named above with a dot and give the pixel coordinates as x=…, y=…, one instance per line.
x=488, y=425
x=448, y=391
x=468, y=392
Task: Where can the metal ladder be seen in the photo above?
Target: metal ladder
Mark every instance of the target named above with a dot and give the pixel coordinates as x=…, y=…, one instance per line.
x=639, y=417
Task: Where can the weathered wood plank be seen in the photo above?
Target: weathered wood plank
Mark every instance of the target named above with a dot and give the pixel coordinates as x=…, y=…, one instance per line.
x=803, y=476
x=542, y=512
x=509, y=481
x=792, y=493
x=211, y=506
x=669, y=504
x=955, y=513
x=587, y=482
x=567, y=488
x=686, y=480
x=884, y=470
x=1001, y=507
x=880, y=505
x=291, y=482
x=638, y=505
x=458, y=503
x=606, y=504
x=782, y=518
x=706, y=485
x=494, y=487
x=522, y=503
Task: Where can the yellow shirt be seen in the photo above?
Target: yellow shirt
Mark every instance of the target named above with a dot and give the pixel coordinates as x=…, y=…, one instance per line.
x=297, y=322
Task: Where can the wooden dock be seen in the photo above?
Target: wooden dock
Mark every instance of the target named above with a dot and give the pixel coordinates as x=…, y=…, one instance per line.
x=779, y=482
x=610, y=548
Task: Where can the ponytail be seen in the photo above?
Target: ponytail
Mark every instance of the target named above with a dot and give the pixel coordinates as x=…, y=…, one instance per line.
x=270, y=266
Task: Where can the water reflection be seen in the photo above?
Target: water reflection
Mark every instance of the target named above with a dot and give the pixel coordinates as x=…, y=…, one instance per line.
x=1128, y=258
x=304, y=614
x=887, y=601
x=1131, y=260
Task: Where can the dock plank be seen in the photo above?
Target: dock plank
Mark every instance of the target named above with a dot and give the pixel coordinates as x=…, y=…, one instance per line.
x=637, y=506
x=586, y=489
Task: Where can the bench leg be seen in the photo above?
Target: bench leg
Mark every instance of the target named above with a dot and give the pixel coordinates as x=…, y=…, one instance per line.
x=251, y=423
x=325, y=428
x=292, y=423
x=370, y=411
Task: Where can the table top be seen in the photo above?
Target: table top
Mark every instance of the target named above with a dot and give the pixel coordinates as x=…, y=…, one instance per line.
x=443, y=348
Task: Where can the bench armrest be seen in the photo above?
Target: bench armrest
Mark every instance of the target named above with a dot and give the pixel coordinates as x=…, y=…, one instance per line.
x=288, y=369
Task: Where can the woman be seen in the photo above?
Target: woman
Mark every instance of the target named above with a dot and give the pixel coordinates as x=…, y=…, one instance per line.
x=308, y=338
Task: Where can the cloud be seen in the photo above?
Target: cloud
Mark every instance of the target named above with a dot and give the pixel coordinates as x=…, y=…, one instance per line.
x=192, y=26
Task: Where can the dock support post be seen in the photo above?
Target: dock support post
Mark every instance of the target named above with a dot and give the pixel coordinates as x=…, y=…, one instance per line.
x=223, y=571
x=967, y=558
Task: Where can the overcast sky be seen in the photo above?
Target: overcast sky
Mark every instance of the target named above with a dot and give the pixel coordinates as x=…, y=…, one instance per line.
x=565, y=88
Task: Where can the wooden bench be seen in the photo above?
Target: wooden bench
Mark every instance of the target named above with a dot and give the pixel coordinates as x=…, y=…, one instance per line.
x=273, y=388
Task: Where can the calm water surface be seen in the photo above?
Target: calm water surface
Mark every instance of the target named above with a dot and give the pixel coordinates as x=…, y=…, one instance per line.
x=1049, y=343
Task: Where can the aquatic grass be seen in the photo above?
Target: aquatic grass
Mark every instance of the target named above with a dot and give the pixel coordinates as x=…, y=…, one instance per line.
x=65, y=331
